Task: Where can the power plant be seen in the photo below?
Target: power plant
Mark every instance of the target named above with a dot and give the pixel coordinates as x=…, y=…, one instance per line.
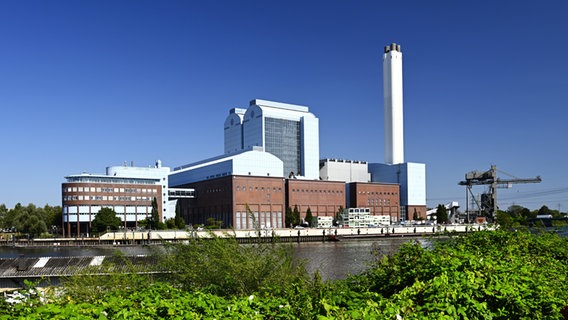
x=270, y=165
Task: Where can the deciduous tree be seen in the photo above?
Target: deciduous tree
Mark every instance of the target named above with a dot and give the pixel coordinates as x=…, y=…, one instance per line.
x=105, y=219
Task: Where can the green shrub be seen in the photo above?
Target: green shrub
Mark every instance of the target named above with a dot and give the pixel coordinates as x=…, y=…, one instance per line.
x=485, y=275
x=222, y=266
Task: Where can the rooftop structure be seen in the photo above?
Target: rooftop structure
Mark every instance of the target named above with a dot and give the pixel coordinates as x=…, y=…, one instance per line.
x=288, y=131
x=344, y=170
x=253, y=162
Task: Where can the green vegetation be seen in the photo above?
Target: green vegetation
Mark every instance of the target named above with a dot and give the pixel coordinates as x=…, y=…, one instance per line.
x=223, y=267
x=483, y=275
x=518, y=216
x=30, y=221
x=292, y=217
x=309, y=217
x=338, y=216
x=105, y=219
x=441, y=214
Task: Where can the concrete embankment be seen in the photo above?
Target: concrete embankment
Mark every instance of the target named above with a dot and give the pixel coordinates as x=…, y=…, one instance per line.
x=247, y=236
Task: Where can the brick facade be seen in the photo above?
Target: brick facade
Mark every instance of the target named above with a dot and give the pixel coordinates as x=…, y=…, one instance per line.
x=323, y=198
x=232, y=199
x=381, y=198
x=84, y=200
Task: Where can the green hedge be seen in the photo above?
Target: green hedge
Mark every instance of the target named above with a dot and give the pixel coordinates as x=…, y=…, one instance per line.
x=484, y=275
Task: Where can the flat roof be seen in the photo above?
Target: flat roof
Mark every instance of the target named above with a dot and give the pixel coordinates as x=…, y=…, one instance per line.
x=279, y=105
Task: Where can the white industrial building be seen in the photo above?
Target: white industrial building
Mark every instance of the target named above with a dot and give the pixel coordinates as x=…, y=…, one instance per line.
x=344, y=170
x=288, y=131
x=253, y=162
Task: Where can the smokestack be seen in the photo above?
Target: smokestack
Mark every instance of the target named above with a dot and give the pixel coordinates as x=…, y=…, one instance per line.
x=392, y=90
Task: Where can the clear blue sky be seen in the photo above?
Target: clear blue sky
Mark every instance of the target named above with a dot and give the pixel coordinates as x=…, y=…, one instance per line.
x=90, y=84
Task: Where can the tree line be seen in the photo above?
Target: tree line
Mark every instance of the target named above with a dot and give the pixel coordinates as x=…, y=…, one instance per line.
x=516, y=216
x=31, y=220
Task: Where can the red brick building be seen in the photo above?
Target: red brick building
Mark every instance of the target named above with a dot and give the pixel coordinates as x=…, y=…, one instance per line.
x=83, y=200
x=323, y=198
x=232, y=199
x=381, y=198
x=246, y=202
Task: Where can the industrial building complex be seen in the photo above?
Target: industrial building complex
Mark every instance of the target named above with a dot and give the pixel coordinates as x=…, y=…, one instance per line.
x=271, y=163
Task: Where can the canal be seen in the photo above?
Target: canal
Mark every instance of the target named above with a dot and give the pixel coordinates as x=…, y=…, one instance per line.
x=333, y=260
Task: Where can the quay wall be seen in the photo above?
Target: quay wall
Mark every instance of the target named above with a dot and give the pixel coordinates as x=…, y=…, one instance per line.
x=247, y=236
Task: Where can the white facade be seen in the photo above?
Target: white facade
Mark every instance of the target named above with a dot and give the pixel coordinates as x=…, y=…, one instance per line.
x=288, y=131
x=157, y=172
x=381, y=220
x=252, y=163
x=309, y=125
x=356, y=217
x=362, y=218
x=344, y=170
x=393, y=111
x=234, y=130
x=323, y=222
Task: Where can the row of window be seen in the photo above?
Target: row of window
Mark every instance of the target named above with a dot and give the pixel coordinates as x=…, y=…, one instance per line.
x=113, y=180
x=317, y=191
x=380, y=202
x=106, y=198
x=244, y=188
x=378, y=193
x=143, y=215
x=261, y=220
x=110, y=190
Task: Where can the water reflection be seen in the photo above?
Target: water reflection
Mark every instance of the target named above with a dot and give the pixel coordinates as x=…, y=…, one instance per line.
x=336, y=260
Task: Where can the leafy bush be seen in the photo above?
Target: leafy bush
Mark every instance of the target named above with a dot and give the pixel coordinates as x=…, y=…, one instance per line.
x=485, y=275
x=222, y=266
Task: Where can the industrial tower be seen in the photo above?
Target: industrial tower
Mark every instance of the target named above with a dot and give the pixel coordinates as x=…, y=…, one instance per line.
x=392, y=86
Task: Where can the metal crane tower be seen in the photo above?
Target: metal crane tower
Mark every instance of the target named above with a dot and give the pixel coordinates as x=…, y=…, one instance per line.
x=488, y=204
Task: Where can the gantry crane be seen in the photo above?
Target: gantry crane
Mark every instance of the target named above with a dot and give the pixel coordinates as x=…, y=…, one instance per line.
x=488, y=204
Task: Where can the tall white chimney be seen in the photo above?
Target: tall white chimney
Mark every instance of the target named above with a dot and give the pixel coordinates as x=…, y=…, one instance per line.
x=392, y=86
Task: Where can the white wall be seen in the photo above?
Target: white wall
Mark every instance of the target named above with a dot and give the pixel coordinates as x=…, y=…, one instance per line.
x=253, y=123
x=345, y=170
x=310, y=147
x=416, y=175
x=254, y=163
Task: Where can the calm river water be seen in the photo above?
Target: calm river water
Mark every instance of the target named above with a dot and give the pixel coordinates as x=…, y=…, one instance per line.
x=333, y=260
